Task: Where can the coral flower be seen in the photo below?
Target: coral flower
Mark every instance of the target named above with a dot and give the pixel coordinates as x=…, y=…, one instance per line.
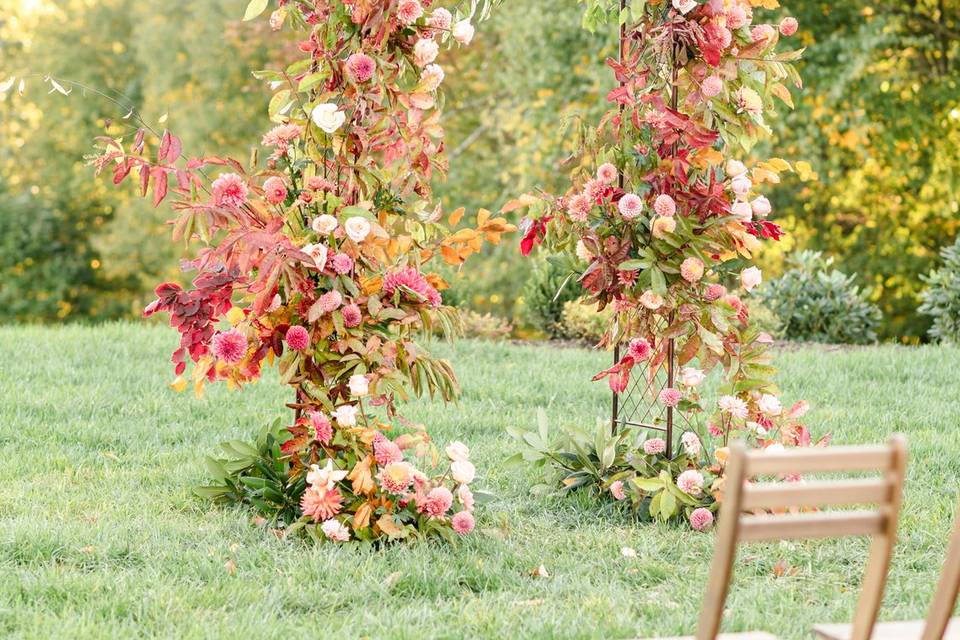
x=463, y=522
x=692, y=270
x=578, y=208
x=789, y=26
x=281, y=136
x=321, y=504
x=386, y=451
x=342, y=263
x=616, y=490
x=396, y=477
x=230, y=346
x=409, y=279
x=640, y=349
x=701, y=519
x=437, y=502
x=425, y=51
x=691, y=444
x=440, y=19
x=734, y=406
x=275, y=189
x=298, y=338
x=714, y=292
x=352, y=316
x=321, y=426
x=230, y=190
x=712, y=86
x=670, y=397
x=361, y=67
x=330, y=301
x=335, y=531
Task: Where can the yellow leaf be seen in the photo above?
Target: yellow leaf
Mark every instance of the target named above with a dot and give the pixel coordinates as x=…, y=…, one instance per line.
x=362, y=477
x=464, y=235
x=388, y=525
x=361, y=519
x=523, y=201
x=450, y=255
x=779, y=164
x=235, y=315
x=456, y=216
x=482, y=216
x=179, y=385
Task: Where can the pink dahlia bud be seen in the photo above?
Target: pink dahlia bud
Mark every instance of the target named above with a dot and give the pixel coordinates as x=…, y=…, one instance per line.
x=692, y=270
x=230, y=346
x=360, y=66
x=712, y=86
x=670, y=397
x=789, y=26
x=714, y=292
x=463, y=523
x=640, y=349
x=409, y=11
x=607, y=173
x=654, y=446
x=298, y=338
x=630, y=206
x=701, y=519
x=665, y=206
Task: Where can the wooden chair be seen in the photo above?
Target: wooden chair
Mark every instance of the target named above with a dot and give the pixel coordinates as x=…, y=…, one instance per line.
x=739, y=497
x=938, y=623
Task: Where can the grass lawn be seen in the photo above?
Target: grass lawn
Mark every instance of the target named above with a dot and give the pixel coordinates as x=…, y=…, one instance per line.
x=101, y=537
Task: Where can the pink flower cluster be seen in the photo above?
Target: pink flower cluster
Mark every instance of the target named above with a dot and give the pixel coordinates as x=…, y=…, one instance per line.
x=410, y=280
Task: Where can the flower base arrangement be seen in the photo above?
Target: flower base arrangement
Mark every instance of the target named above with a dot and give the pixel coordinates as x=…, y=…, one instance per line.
x=661, y=224
x=316, y=260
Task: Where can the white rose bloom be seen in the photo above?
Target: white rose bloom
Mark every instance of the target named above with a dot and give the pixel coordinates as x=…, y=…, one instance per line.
x=691, y=377
x=741, y=185
x=335, y=531
x=761, y=207
x=357, y=228
x=324, y=224
x=735, y=168
x=359, y=385
x=432, y=77
x=425, y=51
x=325, y=478
x=319, y=254
x=458, y=451
x=770, y=405
x=346, y=415
x=691, y=443
x=750, y=278
x=743, y=210
x=463, y=32
x=463, y=471
x=328, y=117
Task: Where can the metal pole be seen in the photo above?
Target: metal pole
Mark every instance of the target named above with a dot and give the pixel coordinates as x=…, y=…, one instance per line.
x=621, y=182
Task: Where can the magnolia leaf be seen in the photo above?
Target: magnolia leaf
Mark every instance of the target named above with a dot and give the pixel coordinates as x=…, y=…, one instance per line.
x=254, y=9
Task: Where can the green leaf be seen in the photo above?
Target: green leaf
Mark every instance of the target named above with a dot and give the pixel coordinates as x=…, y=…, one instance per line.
x=658, y=282
x=254, y=9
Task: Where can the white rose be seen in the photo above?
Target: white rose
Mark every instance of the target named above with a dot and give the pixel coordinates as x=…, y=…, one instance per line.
x=463, y=471
x=463, y=32
x=318, y=253
x=761, y=207
x=324, y=224
x=357, y=228
x=750, y=278
x=458, y=451
x=346, y=415
x=328, y=117
x=425, y=52
x=431, y=77
x=741, y=185
x=691, y=377
x=735, y=168
x=691, y=443
x=359, y=386
x=335, y=531
x=770, y=405
x=743, y=211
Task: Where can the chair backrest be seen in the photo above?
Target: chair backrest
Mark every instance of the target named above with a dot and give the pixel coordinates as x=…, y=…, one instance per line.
x=880, y=522
x=945, y=597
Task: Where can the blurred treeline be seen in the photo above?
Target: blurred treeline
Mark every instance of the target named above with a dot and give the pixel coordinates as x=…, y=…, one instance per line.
x=878, y=121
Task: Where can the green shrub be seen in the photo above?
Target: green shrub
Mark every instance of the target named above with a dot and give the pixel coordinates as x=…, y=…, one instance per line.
x=583, y=322
x=817, y=303
x=941, y=299
x=549, y=288
x=763, y=318
x=484, y=325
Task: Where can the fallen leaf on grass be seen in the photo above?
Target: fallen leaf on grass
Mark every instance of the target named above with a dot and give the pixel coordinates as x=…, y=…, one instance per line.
x=783, y=569
x=231, y=567
x=628, y=552
x=392, y=579
x=539, y=572
x=529, y=603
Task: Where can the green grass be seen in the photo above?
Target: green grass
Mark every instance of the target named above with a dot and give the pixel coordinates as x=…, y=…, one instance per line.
x=101, y=537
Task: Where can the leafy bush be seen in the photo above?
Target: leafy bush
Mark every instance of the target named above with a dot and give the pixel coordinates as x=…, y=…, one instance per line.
x=941, y=299
x=550, y=287
x=583, y=321
x=486, y=326
x=817, y=303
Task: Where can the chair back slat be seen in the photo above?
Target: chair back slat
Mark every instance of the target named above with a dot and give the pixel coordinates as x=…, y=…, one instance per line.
x=880, y=523
x=815, y=525
x=945, y=596
x=818, y=460
x=819, y=493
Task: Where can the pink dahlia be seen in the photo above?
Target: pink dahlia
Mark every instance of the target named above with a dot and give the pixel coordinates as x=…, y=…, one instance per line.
x=330, y=301
x=607, y=173
x=712, y=86
x=789, y=26
x=640, y=349
x=690, y=482
x=665, y=206
x=440, y=19
x=230, y=190
x=463, y=522
x=360, y=66
x=670, y=397
x=386, y=451
x=275, y=190
x=654, y=446
x=762, y=33
x=691, y=270
x=596, y=190
x=322, y=427
x=701, y=519
x=396, y=477
x=714, y=292
x=578, y=208
x=616, y=490
x=230, y=346
x=316, y=183
x=321, y=504
x=408, y=279
x=630, y=206
x=409, y=11
x=342, y=263
x=437, y=502
x=298, y=338
x=352, y=316
x=281, y=136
